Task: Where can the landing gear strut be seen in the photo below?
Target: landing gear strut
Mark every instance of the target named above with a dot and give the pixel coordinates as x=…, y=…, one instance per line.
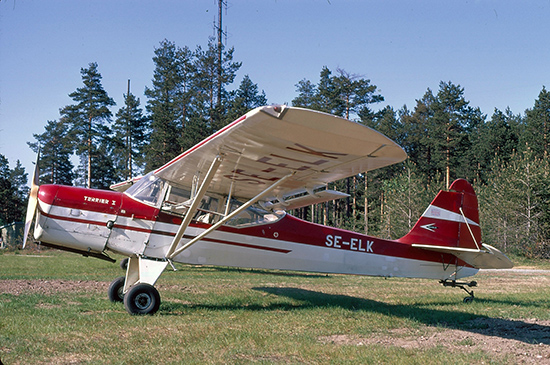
x=461, y=285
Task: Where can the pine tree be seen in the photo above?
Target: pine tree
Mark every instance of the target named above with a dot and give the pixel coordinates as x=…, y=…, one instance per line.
x=328, y=98
x=307, y=95
x=131, y=135
x=245, y=98
x=355, y=94
x=370, y=200
x=169, y=102
x=437, y=132
x=13, y=192
x=105, y=173
x=537, y=125
x=89, y=117
x=495, y=139
x=55, y=154
x=210, y=84
x=417, y=127
x=346, y=95
x=448, y=124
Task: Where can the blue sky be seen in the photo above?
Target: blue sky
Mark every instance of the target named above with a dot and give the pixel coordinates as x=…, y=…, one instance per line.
x=498, y=51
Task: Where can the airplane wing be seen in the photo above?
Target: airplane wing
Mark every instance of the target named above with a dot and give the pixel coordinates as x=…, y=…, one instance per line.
x=270, y=142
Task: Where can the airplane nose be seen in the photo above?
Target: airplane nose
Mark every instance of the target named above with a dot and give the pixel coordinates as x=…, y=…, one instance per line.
x=47, y=193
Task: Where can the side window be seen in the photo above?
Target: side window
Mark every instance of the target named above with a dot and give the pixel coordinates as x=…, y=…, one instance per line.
x=208, y=210
x=177, y=200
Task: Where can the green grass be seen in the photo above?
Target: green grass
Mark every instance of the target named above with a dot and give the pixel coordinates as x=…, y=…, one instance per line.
x=225, y=315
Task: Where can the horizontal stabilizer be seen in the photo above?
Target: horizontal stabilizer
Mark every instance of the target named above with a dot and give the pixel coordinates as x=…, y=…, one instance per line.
x=488, y=258
x=306, y=200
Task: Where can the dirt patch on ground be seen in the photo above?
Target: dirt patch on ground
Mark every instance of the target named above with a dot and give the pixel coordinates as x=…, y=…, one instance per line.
x=47, y=287
x=515, y=341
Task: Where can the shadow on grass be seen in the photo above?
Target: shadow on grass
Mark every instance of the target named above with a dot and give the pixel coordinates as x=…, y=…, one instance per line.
x=531, y=333
x=504, y=328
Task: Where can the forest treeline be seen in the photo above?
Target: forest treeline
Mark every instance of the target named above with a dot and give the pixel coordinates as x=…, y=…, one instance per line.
x=194, y=93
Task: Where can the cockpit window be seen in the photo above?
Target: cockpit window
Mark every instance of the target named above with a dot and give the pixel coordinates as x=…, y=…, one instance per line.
x=148, y=189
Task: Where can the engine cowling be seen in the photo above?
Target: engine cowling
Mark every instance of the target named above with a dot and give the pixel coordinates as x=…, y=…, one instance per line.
x=75, y=218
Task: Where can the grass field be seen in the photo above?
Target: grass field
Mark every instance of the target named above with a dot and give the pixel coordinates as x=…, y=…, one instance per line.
x=54, y=309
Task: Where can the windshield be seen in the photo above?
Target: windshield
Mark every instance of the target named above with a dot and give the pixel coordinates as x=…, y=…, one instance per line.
x=148, y=189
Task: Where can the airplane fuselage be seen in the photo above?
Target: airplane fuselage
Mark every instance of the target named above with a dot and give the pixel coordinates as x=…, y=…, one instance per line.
x=88, y=220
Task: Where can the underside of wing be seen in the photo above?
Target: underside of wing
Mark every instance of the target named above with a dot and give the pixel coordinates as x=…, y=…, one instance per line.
x=303, y=200
x=271, y=142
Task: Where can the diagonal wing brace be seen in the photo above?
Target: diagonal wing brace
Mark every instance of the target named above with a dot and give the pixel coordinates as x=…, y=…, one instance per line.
x=194, y=205
x=233, y=214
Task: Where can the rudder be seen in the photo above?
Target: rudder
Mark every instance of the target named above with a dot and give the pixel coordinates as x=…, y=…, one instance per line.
x=450, y=225
x=451, y=220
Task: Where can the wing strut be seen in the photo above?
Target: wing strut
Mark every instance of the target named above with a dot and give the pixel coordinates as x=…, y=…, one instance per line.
x=193, y=208
x=224, y=219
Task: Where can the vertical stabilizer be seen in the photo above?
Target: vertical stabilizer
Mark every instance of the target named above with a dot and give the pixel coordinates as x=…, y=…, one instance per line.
x=452, y=219
x=451, y=225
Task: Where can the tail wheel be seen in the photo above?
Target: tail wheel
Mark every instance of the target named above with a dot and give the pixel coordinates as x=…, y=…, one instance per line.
x=116, y=290
x=142, y=299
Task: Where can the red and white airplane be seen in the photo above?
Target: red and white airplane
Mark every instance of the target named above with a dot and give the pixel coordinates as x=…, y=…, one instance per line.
x=223, y=202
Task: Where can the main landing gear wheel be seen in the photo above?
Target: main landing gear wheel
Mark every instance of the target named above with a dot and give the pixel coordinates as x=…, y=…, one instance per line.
x=142, y=299
x=116, y=290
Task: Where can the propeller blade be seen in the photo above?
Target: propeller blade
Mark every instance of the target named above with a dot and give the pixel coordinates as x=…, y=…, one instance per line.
x=33, y=200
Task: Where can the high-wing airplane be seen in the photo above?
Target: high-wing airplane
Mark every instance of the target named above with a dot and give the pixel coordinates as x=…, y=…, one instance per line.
x=224, y=202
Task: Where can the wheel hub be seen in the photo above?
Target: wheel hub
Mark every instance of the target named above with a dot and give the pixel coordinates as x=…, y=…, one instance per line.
x=143, y=301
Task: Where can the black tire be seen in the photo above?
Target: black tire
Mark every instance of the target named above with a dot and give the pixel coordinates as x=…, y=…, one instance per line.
x=124, y=263
x=142, y=299
x=115, y=292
